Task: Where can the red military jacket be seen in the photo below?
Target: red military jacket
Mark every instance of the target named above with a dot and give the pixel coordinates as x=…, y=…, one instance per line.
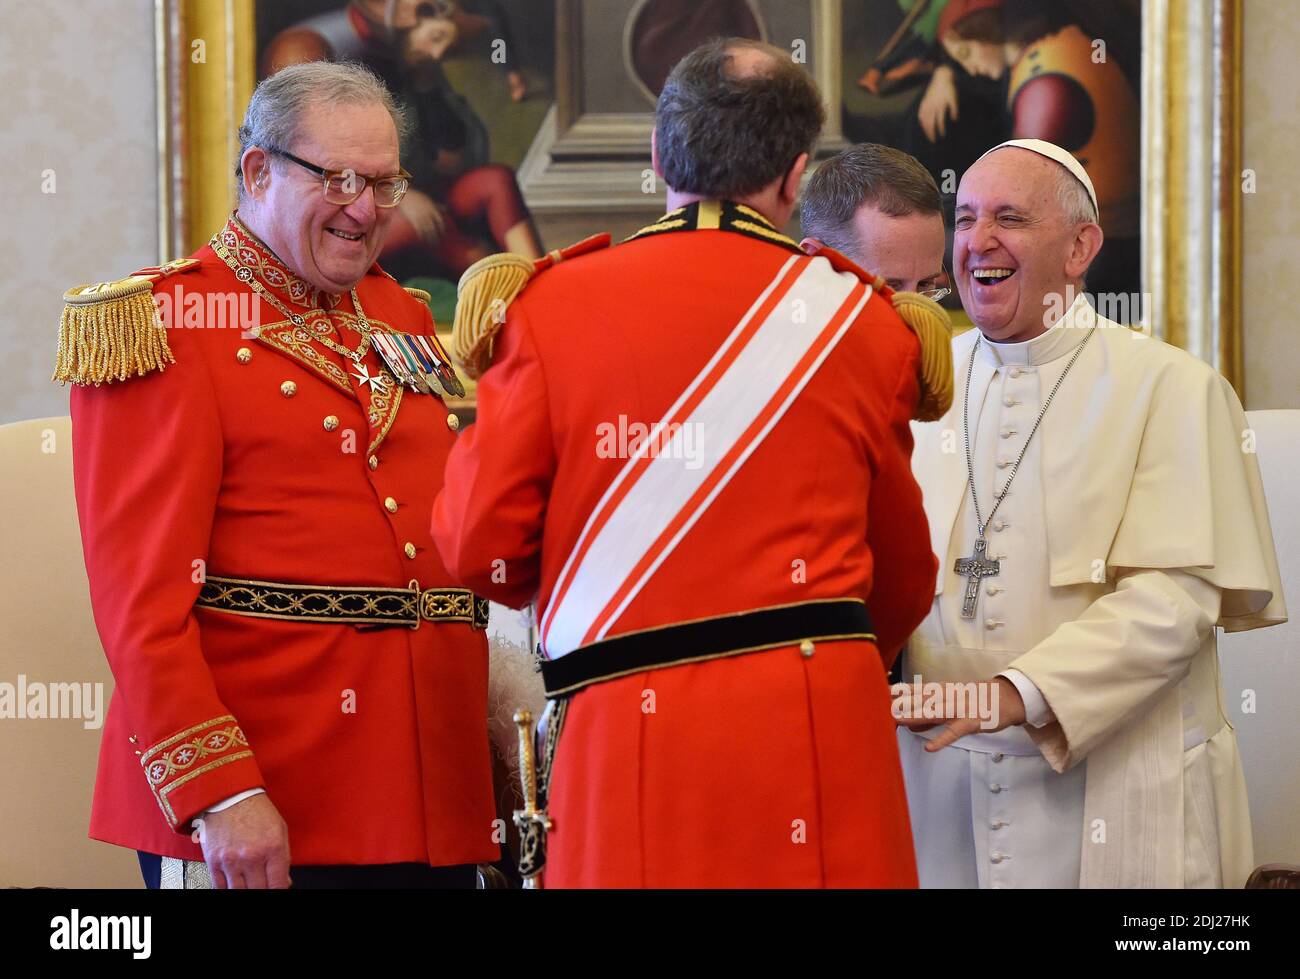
x=268, y=459
x=703, y=786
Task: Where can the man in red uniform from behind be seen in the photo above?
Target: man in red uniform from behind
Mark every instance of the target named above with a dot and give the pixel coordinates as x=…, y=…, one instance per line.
x=692, y=451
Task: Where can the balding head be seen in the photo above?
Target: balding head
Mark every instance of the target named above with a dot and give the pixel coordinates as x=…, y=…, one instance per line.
x=733, y=117
x=1019, y=212
x=751, y=59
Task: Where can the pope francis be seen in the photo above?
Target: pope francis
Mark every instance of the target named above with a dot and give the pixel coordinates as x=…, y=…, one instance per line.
x=1098, y=515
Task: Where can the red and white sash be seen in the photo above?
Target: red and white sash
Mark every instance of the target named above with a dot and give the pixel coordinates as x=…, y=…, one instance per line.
x=734, y=402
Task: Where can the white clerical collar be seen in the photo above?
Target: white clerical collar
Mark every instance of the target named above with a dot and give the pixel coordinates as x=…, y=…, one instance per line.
x=1058, y=341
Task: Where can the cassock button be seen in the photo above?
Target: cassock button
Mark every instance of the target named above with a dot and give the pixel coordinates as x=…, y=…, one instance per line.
x=331, y=422
x=999, y=525
x=992, y=590
x=410, y=550
x=1015, y=372
x=1009, y=401
x=243, y=355
x=990, y=623
x=453, y=422
x=806, y=649
x=373, y=462
x=995, y=788
x=996, y=824
x=288, y=389
x=133, y=739
x=1003, y=463
x=997, y=857
x=997, y=757
x=390, y=505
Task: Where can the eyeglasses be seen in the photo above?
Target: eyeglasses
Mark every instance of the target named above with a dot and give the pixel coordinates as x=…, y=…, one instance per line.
x=939, y=292
x=345, y=186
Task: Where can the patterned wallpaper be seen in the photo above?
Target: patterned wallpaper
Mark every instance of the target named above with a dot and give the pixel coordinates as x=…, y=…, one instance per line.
x=78, y=99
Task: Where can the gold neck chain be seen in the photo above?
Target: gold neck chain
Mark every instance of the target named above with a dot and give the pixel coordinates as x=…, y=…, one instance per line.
x=245, y=275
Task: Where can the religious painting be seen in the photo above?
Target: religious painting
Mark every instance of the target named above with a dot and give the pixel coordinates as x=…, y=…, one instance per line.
x=474, y=78
x=947, y=79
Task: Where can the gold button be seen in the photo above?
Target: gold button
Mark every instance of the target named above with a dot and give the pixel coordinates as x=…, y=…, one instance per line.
x=373, y=462
x=133, y=739
x=390, y=505
x=453, y=422
x=288, y=389
x=243, y=355
x=410, y=550
x=806, y=649
x=331, y=422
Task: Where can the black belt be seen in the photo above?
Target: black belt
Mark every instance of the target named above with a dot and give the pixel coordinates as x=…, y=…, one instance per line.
x=361, y=606
x=703, y=639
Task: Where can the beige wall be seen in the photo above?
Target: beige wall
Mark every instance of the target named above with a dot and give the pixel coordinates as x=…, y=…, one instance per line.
x=1271, y=216
x=78, y=98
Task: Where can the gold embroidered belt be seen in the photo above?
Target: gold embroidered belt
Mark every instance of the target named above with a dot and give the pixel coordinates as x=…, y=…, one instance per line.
x=359, y=606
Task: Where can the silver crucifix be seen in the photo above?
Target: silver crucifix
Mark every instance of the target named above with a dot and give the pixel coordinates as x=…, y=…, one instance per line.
x=975, y=568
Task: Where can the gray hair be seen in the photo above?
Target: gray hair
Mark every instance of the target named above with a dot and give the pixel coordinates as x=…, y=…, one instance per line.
x=275, y=111
x=725, y=135
x=1073, y=197
x=867, y=174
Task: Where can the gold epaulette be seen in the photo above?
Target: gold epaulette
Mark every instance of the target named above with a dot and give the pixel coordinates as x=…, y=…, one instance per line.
x=111, y=330
x=929, y=321
x=419, y=294
x=485, y=292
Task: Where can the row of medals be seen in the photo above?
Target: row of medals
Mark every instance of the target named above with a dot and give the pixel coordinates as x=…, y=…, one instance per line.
x=418, y=361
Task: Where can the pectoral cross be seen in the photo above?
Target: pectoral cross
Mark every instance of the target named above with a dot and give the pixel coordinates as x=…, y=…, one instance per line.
x=975, y=568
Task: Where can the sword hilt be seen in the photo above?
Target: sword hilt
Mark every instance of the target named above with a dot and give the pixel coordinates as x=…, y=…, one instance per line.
x=531, y=821
x=527, y=762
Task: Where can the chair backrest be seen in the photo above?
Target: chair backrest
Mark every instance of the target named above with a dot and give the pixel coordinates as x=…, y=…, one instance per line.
x=51, y=663
x=1267, y=661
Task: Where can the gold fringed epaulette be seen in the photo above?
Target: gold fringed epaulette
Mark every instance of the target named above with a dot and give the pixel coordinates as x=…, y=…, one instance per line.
x=418, y=294
x=485, y=292
x=929, y=321
x=111, y=330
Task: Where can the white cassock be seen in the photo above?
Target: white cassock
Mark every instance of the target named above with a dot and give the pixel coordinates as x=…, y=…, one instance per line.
x=1135, y=525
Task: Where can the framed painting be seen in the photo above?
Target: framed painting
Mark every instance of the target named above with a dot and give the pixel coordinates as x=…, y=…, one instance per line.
x=575, y=143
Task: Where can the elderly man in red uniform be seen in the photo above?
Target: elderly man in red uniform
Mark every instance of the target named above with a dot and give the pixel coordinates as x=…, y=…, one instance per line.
x=295, y=669
x=692, y=451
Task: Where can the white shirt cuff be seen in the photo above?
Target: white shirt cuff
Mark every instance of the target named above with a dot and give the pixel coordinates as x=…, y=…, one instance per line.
x=1037, y=710
x=239, y=797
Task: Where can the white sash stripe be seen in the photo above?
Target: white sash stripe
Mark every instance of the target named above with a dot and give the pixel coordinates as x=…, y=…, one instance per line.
x=653, y=438
x=722, y=417
x=735, y=466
